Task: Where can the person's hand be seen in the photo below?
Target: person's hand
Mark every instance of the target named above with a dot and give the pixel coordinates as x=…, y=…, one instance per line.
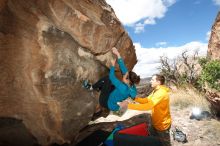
x=123, y=104
x=115, y=51
x=113, y=61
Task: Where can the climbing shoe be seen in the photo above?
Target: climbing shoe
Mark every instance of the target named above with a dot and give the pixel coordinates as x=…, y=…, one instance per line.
x=87, y=85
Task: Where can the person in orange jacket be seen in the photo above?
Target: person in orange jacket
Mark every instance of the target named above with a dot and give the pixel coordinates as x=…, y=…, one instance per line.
x=158, y=102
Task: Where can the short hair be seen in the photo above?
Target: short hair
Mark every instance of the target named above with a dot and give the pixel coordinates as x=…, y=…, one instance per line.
x=160, y=78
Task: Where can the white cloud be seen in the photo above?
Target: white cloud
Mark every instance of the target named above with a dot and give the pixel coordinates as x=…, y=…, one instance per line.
x=132, y=11
x=217, y=2
x=208, y=34
x=168, y=2
x=149, y=21
x=139, y=27
x=148, y=58
x=161, y=43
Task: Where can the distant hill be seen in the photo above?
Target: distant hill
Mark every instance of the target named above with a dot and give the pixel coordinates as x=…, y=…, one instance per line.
x=144, y=87
x=145, y=81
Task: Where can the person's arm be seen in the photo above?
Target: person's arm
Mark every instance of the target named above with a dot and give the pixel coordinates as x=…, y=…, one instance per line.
x=148, y=103
x=120, y=61
x=122, y=66
x=133, y=92
x=142, y=107
x=115, y=81
x=141, y=100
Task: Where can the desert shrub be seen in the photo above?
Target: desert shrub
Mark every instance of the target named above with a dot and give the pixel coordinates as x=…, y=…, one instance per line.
x=181, y=70
x=210, y=73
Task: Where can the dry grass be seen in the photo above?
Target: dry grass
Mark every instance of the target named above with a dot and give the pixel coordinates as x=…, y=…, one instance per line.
x=189, y=97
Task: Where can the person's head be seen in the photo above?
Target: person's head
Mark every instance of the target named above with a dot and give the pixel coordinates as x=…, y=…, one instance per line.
x=157, y=80
x=131, y=78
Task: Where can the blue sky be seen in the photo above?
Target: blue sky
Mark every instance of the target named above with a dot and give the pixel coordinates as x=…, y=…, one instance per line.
x=184, y=21
x=163, y=27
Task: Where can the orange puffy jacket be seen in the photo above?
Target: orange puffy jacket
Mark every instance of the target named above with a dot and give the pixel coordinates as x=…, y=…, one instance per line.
x=158, y=102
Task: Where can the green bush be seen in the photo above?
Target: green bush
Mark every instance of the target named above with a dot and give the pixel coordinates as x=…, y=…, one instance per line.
x=210, y=73
x=203, y=61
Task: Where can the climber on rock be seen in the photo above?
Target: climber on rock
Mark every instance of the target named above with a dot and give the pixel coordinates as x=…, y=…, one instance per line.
x=112, y=89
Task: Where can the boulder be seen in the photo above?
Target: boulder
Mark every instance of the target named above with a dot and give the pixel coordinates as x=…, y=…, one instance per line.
x=47, y=48
x=214, y=42
x=214, y=53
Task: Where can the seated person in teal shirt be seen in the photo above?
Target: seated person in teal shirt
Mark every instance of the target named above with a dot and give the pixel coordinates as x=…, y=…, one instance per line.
x=112, y=89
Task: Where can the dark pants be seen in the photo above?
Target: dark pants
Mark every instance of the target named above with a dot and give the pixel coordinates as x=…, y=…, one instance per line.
x=163, y=136
x=106, y=87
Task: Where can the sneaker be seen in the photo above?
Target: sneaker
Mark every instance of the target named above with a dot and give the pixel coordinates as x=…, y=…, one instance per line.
x=87, y=85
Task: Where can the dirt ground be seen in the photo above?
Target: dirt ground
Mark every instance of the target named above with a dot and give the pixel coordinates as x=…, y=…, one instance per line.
x=205, y=132
x=199, y=133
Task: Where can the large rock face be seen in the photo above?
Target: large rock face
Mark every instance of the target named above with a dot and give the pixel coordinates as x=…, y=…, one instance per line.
x=214, y=42
x=214, y=53
x=47, y=48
